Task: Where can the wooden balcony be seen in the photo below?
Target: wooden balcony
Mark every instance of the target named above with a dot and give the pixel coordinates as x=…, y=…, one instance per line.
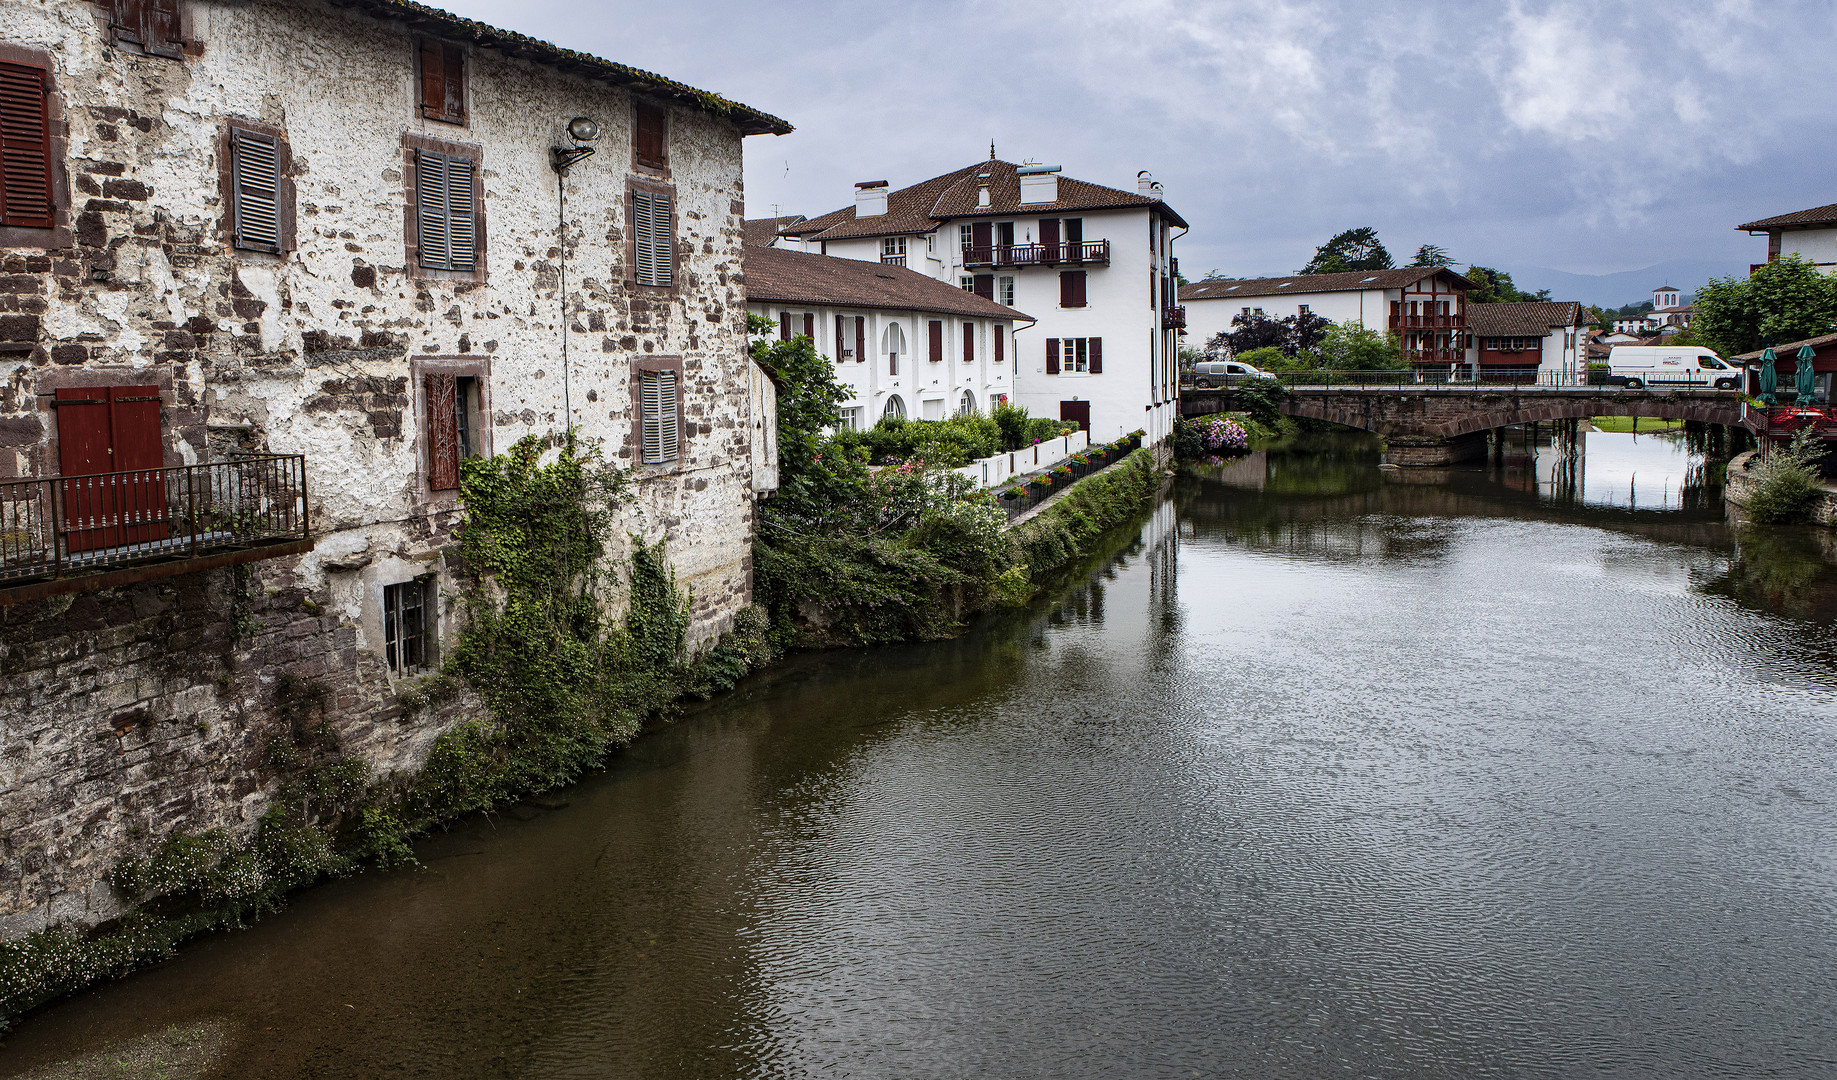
x=1428, y=322
x=1422, y=357
x=892, y=260
x=1095, y=252
x=77, y=533
x=1174, y=317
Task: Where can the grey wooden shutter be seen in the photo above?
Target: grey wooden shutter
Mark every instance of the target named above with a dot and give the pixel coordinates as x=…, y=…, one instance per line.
x=657, y=406
x=447, y=211
x=655, y=239
x=255, y=179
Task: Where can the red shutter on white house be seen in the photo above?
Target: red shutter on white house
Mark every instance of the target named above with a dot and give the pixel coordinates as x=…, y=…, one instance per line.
x=998, y=344
x=1096, y=356
x=1052, y=356
x=937, y=342
x=650, y=135
x=841, y=336
x=810, y=326
x=1049, y=238
x=969, y=342
x=25, y=148
x=784, y=326
x=860, y=339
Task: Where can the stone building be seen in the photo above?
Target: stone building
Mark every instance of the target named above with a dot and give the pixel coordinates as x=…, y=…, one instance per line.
x=271, y=269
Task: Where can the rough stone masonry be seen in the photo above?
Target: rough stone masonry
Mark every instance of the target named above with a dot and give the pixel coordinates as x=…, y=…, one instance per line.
x=129, y=713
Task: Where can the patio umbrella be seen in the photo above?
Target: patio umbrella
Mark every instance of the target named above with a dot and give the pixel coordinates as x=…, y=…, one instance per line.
x=1769, y=378
x=1806, y=378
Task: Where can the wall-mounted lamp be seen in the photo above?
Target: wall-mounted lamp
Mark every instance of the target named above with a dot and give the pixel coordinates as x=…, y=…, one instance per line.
x=582, y=130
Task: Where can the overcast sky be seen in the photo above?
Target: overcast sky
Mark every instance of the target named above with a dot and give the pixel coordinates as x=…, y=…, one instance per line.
x=1589, y=137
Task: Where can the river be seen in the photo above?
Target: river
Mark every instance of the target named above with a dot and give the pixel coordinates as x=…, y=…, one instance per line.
x=1329, y=771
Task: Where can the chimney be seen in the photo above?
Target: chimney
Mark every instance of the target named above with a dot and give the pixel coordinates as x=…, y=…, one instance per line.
x=1039, y=184
x=870, y=198
x=1145, y=184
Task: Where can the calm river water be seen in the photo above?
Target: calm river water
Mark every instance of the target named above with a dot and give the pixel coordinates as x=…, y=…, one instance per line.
x=1330, y=772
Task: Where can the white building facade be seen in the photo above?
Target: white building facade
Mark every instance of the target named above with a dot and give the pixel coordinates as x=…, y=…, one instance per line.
x=1535, y=341
x=1424, y=306
x=1093, y=264
x=904, y=344
x=1809, y=234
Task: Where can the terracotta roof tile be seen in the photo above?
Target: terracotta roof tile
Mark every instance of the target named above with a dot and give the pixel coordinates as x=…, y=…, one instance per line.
x=1532, y=318
x=1787, y=351
x=433, y=21
x=760, y=232
x=1800, y=219
x=775, y=275
x=1355, y=281
x=919, y=208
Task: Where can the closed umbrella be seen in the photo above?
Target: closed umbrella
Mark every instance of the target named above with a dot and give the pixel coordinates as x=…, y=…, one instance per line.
x=1769, y=378
x=1806, y=378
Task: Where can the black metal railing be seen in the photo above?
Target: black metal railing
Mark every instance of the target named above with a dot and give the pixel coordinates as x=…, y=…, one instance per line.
x=64, y=526
x=1023, y=493
x=1173, y=317
x=1087, y=251
x=1475, y=376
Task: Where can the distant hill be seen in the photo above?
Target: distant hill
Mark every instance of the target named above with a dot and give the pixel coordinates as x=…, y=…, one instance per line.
x=1627, y=286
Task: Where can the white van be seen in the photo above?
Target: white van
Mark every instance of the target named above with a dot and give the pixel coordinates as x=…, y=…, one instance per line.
x=1638, y=366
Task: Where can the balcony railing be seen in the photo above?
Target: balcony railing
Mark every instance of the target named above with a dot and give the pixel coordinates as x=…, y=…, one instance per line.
x=1088, y=251
x=70, y=533
x=1174, y=317
x=892, y=260
x=1428, y=322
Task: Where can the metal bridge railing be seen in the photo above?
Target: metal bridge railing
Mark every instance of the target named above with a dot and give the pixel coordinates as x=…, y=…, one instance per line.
x=1472, y=377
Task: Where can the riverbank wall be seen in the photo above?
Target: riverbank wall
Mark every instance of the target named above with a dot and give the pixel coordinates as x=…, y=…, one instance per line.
x=1739, y=485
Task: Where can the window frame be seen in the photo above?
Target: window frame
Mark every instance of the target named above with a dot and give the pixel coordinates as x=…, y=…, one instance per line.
x=59, y=234
x=423, y=588
x=659, y=166
x=653, y=188
x=634, y=451
x=420, y=368
x=286, y=195
x=413, y=145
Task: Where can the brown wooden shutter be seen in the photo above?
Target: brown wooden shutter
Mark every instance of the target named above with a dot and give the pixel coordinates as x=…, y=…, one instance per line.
x=1049, y=238
x=255, y=191
x=25, y=148
x=810, y=326
x=981, y=241
x=937, y=341
x=651, y=139
x=433, y=79
x=161, y=37
x=969, y=342
x=998, y=344
x=784, y=326
x=442, y=432
x=984, y=286
x=861, y=338
x=128, y=21
x=841, y=336
x=1052, y=356
x=1097, y=356
x=1078, y=280
x=83, y=436
x=453, y=80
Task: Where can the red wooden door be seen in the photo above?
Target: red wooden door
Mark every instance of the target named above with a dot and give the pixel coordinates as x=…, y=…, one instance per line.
x=1076, y=410
x=109, y=456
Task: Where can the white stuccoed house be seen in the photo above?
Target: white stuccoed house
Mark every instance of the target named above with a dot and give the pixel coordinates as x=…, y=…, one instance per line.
x=1094, y=265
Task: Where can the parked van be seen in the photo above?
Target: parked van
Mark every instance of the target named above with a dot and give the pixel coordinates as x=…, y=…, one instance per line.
x=1639, y=366
x=1210, y=373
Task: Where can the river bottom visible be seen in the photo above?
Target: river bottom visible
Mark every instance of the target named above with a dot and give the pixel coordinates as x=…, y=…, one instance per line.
x=1330, y=771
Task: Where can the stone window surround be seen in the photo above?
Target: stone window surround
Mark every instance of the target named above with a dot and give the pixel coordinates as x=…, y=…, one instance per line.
x=226, y=224
x=419, y=367
x=639, y=367
x=631, y=238
x=59, y=235
x=411, y=245
x=173, y=420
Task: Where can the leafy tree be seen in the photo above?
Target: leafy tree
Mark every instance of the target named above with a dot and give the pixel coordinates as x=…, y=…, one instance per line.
x=1496, y=287
x=814, y=473
x=1783, y=301
x=1431, y=255
x=1354, y=249
x=1352, y=346
x=1270, y=358
x=1257, y=331
x=1262, y=399
x=1306, y=332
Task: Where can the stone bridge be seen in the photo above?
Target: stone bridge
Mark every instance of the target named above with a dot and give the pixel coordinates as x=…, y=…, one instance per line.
x=1439, y=425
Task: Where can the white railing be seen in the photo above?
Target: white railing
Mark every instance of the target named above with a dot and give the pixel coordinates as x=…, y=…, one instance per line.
x=991, y=472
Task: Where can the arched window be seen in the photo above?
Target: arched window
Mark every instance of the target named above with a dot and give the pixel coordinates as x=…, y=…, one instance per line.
x=895, y=407
x=967, y=406
x=892, y=346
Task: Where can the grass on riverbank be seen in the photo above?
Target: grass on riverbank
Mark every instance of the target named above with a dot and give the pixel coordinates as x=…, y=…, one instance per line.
x=1646, y=425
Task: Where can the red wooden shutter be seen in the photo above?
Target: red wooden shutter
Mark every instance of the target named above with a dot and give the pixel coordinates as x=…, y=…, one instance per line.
x=650, y=135
x=433, y=79
x=453, y=80
x=25, y=149
x=980, y=241
x=810, y=326
x=1052, y=356
x=861, y=338
x=984, y=286
x=998, y=344
x=1078, y=297
x=969, y=342
x=134, y=427
x=841, y=336
x=162, y=34
x=83, y=435
x=937, y=341
x=1049, y=238
x=784, y=326
x=442, y=432
x=1097, y=356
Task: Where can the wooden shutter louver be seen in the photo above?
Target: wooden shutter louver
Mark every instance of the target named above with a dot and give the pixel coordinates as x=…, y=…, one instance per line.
x=657, y=411
x=936, y=354
x=1052, y=356
x=442, y=432
x=1096, y=352
x=998, y=344
x=25, y=148
x=255, y=178
x=446, y=212
x=784, y=326
x=860, y=339
x=654, y=238
x=969, y=342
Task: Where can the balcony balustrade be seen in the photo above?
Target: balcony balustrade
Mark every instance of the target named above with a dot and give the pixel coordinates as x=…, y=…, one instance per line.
x=1174, y=317
x=892, y=260
x=1087, y=252
x=1429, y=322
x=75, y=533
